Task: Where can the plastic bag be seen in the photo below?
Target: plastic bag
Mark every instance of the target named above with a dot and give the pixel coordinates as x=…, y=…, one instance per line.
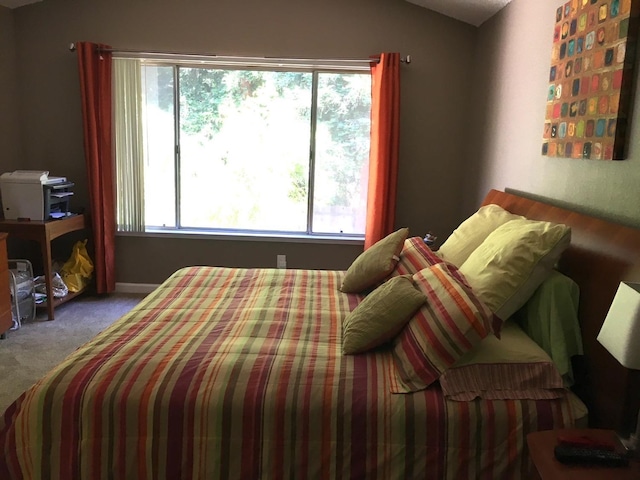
x=58, y=286
x=77, y=270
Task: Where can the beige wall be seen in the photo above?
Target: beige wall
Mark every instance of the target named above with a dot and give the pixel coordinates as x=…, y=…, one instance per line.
x=512, y=68
x=9, y=141
x=435, y=99
x=471, y=116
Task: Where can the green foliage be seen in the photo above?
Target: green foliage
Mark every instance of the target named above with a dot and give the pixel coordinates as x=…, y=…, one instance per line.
x=243, y=84
x=202, y=91
x=286, y=81
x=299, y=184
x=211, y=96
x=345, y=108
x=164, y=86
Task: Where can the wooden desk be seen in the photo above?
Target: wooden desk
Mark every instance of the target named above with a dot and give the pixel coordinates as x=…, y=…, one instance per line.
x=44, y=232
x=541, y=445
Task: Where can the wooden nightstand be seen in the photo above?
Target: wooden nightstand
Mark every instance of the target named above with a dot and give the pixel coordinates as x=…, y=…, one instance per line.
x=541, y=445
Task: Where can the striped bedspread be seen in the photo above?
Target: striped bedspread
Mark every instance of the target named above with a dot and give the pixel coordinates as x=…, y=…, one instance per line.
x=235, y=373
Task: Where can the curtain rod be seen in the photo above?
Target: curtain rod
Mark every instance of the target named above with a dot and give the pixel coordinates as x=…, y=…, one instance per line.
x=72, y=48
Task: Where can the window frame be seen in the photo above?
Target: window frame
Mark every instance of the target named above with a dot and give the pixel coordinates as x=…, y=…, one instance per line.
x=314, y=67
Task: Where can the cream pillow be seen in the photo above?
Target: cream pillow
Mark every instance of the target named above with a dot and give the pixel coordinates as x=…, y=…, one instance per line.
x=472, y=232
x=374, y=264
x=514, y=367
x=381, y=315
x=513, y=261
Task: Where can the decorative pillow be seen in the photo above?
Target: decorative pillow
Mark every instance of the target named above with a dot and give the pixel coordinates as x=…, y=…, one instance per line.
x=513, y=261
x=472, y=232
x=415, y=256
x=450, y=324
x=381, y=315
x=374, y=264
x=512, y=368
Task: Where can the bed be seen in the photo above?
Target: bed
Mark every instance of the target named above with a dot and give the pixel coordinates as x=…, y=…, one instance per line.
x=241, y=373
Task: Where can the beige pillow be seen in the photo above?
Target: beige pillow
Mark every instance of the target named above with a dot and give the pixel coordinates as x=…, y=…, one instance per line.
x=381, y=315
x=374, y=264
x=513, y=261
x=472, y=232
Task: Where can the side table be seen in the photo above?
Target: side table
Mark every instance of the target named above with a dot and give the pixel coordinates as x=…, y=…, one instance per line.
x=541, y=445
x=44, y=232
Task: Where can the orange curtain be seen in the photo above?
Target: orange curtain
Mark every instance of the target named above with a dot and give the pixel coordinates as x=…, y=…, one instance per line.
x=384, y=150
x=95, y=89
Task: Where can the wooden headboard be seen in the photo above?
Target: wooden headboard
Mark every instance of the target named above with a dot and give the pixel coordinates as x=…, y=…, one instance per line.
x=601, y=255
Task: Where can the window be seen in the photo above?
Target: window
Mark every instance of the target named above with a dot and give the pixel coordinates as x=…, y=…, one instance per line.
x=240, y=148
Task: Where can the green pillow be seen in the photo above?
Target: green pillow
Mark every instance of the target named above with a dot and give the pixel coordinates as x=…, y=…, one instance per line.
x=374, y=264
x=550, y=318
x=381, y=315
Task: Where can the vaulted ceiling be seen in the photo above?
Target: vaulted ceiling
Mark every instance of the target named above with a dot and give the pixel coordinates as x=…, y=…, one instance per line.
x=17, y=3
x=474, y=12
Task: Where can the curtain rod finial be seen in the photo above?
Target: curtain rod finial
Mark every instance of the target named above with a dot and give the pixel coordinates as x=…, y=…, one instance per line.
x=72, y=47
x=408, y=60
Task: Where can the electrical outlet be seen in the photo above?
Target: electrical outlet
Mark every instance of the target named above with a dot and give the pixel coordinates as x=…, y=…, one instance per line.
x=281, y=261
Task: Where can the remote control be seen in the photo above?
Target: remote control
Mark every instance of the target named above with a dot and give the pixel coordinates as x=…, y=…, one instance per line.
x=584, y=441
x=580, y=455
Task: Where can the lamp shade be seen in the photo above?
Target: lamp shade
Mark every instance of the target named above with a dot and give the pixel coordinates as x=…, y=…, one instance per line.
x=620, y=333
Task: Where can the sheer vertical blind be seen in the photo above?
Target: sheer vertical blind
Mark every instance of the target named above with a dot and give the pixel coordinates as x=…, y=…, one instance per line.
x=129, y=144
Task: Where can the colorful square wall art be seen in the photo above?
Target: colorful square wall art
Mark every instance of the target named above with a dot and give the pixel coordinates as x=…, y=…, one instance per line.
x=591, y=79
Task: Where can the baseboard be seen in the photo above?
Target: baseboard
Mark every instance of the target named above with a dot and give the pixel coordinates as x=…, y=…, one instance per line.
x=135, y=287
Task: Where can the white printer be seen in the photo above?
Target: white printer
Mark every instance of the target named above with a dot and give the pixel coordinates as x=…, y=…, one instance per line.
x=34, y=195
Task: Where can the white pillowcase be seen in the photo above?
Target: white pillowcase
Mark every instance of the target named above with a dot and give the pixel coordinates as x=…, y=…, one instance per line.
x=472, y=232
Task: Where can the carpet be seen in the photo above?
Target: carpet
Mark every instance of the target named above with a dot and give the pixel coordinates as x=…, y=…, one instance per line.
x=29, y=353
